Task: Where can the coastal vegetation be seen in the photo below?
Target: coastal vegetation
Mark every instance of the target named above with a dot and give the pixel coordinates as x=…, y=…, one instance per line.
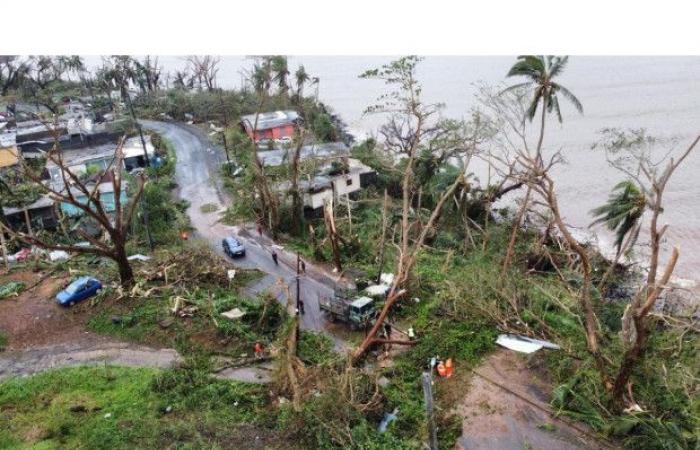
x=466, y=269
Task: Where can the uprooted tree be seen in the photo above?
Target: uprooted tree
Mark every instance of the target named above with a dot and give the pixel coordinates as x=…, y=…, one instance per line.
x=88, y=199
x=409, y=128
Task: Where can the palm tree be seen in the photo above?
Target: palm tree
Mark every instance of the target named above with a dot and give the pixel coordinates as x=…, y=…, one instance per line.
x=540, y=71
x=281, y=73
x=302, y=77
x=622, y=212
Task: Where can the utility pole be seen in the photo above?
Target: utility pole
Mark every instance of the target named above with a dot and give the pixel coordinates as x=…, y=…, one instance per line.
x=298, y=267
x=427, y=380
x=223, y=109
x=127, y=97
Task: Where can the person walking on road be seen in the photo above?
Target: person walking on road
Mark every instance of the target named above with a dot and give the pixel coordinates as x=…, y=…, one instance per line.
x=303, y=266
x=300, y=306
x=258, y=350
x=274, y=257
x=259, y=230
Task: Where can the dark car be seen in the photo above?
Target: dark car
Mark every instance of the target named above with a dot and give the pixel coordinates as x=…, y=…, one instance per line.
x=232, y=247
x=80, y=289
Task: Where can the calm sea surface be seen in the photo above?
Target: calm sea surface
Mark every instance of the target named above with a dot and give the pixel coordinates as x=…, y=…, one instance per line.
x=661, y=94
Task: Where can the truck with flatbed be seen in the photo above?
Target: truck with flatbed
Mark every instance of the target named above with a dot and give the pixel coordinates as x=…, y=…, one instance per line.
x=357, y=311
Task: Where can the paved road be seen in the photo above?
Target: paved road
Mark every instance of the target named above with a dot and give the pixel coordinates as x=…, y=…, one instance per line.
x=96, y=352
x=198, y=162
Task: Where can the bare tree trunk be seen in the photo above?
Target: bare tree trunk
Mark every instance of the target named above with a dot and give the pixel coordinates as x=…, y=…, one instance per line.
x=639, y=316
x=4, y=248
x=516, y=229
x=382, y=243
x=525, y=205
x=406, y=262
x=329, y=215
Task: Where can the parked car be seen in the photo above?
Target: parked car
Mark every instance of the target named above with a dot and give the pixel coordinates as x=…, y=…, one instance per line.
x=233, y=247
x=78, y=290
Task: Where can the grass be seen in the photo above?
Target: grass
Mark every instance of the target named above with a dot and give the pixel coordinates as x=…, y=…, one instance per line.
x=3, y=341
x=149, y=321
x=120, y=408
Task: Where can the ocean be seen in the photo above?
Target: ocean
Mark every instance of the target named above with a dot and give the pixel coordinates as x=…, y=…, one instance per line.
x=661, y=94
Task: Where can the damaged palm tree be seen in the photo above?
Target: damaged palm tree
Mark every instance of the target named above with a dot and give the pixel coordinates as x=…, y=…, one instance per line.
x=632, y=153
x=540, y=72
x=114, y=222
x=404, y=135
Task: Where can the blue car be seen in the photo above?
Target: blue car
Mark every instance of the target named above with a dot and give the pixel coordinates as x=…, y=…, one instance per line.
x=233, y=247
x=80, y=289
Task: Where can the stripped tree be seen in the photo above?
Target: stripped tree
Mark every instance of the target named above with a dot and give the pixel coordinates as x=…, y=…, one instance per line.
x=88, y=200
x=540, y=72
x=633, y=153
x=406, y=131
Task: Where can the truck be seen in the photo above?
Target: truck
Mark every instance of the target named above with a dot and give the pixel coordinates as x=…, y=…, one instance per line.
x=357, y=311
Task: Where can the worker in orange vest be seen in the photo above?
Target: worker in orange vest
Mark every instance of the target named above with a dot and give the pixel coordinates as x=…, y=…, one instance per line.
x=184, y=236
x=258, y=350
x=441, y=370
x=449, y=367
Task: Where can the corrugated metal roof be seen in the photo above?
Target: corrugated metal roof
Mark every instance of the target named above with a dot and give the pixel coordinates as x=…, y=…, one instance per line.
x=269, y=120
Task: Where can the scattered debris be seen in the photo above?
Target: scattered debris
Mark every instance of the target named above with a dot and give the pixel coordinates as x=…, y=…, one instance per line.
x=58, y=255
x=187, y=311
x=166, y=322
x=139, y=257
x=386, y=278
x=634, y=408
x=524, y=344
x=108, y=415
x=233, y=314
x=231, y=274
x=388, y=418
x=383, y=382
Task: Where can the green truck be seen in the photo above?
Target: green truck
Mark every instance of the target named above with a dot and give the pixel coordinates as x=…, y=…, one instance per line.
x=358, y=312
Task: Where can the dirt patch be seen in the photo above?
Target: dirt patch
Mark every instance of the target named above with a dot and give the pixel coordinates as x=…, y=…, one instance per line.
x=493, y=417
x=34, y=318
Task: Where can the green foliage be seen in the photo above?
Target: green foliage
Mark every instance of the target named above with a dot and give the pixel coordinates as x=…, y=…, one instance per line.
x=11, y=289
x=315, y=348
x=121, y=408
x=3, y=341
x=622, y=211
x=540, y=71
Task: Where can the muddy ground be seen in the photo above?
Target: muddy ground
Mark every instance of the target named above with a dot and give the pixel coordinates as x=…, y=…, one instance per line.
x=34, y=319
x=516, y=415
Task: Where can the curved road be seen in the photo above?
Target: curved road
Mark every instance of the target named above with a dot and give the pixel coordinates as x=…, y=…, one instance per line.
x=196, y=173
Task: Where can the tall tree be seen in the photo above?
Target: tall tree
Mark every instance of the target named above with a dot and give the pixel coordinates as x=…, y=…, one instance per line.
x=89, y=200
x=540, y=72
x=632, y=152
x=411, y=125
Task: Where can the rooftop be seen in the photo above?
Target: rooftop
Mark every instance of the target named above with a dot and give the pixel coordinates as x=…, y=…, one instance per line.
x=270, y=119
x=132, y=147
x=271, y=158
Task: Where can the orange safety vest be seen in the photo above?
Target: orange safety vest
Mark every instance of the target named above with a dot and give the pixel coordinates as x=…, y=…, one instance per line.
x=449, y=367
x=441, y=369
